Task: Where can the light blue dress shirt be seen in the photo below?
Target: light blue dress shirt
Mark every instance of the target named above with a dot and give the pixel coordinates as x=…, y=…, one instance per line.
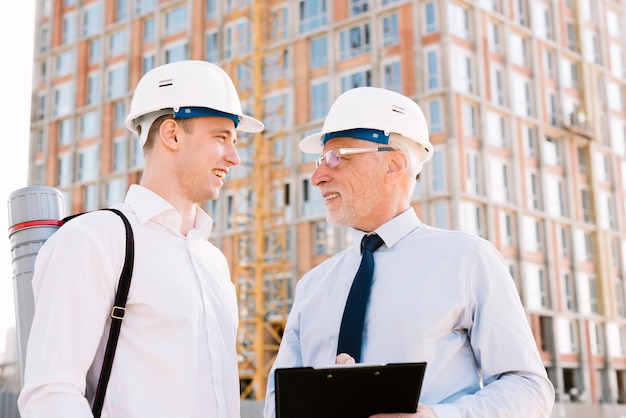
x=438, y=296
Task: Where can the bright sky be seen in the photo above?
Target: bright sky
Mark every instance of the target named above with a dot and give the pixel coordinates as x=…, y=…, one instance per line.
x=16, y=50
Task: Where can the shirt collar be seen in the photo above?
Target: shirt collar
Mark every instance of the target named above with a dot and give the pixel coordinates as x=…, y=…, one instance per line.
x=392, y=231
x=148, y=205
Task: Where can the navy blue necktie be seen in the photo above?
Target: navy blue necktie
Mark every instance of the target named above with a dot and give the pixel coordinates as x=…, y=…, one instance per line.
x=351, y=331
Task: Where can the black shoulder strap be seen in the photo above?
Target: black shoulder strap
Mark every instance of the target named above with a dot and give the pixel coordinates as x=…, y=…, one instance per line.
x=117, y=314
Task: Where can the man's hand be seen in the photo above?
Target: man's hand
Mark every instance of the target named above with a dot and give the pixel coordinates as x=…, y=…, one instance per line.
x=344, y=358
x=422, y=412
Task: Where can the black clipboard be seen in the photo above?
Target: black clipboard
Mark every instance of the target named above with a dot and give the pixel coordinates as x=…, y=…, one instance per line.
x=349, y=391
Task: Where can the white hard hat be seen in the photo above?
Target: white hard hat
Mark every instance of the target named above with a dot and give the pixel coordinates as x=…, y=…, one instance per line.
x=186, y=89
x=372, y=113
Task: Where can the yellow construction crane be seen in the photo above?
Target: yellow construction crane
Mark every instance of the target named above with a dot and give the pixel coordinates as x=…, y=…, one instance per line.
x=260, y=266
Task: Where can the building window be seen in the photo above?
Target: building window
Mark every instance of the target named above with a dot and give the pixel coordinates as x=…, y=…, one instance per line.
x=119, y=155
x=64, y=99
x=118, y=43
x=534, y=191
x=90, y=197
x=212, y=47
x=119, y=115
x=496, y=130
x=432, y=72
x=459, y=21
x=438, y=166
x=65, y=170
x=555, y=196
x=435, y=116
x=537, y=296
x=115, y=191
x=548, y=63
x=494, y=37
x=92, y=19
x=177, y=53
x=68, y=34
x=358, y=6
x=473, y=182
x=569, y=292
x=280, y=24
x=65, y=63
x=572, y=38
x=518, y=44
x=148, y=62
x=312, y=15
x=620, y=300
x=95, y=49
x=499, y=189
x=44, y=38
x=521, y=96
x=93, y=88
x=323, y=238
x=533, y=234
x=358, y=79
x=145, y=6
x=564, y=240
x=137, y=153
x=520, y=10
x=497, y=86
x=390, y=30
x=312, y=201
x=117, y=82
x=586, y=205
x=319, y=52
x=121, y=10
x=506, y=229
x=149, y=30
x=211, y=9
x=392, y=77
x=320, y=100
x=66, y=131
x=469, y=120
x=441, y=215
x=593, y=295
x=354, y=41
x=430, y=17
x=552, y=151
x=90, y=124
x=176, y=21
x=462, y=71
x=88, y=164
x=472, y=218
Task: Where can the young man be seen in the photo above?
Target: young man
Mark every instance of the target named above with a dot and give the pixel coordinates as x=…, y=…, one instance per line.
x=176, y=355
x=441, y=297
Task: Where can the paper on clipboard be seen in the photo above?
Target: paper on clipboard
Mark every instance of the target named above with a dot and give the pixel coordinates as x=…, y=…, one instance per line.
x=355, y=391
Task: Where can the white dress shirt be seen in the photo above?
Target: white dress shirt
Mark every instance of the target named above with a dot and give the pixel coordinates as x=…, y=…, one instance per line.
x=176, y=355
x=441, y=297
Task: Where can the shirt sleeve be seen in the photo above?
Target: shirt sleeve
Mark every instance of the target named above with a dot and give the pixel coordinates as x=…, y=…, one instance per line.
x=74, y=281
x=514, y=380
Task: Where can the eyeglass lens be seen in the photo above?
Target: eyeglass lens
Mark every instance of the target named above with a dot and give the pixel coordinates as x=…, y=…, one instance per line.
x=332, y=159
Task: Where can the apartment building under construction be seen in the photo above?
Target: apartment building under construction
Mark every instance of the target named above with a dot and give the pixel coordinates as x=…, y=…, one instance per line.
x=525, y=101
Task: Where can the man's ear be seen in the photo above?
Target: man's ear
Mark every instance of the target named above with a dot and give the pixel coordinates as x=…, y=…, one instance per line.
x=167, y=134
x=397, y=165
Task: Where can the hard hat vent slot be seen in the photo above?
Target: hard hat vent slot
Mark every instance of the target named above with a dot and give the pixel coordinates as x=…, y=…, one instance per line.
x=166, y=83
x=398, y=109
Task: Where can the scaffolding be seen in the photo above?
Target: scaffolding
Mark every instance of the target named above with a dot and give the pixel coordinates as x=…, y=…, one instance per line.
x=260, y=266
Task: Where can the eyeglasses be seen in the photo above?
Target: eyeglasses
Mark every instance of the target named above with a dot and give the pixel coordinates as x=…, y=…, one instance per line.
x=333, y=157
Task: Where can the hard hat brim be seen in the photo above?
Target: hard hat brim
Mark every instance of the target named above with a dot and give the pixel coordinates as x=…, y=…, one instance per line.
x=312, y=144
x=250, y=124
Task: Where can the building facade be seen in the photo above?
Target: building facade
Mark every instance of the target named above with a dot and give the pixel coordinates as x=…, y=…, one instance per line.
x=526, y=108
